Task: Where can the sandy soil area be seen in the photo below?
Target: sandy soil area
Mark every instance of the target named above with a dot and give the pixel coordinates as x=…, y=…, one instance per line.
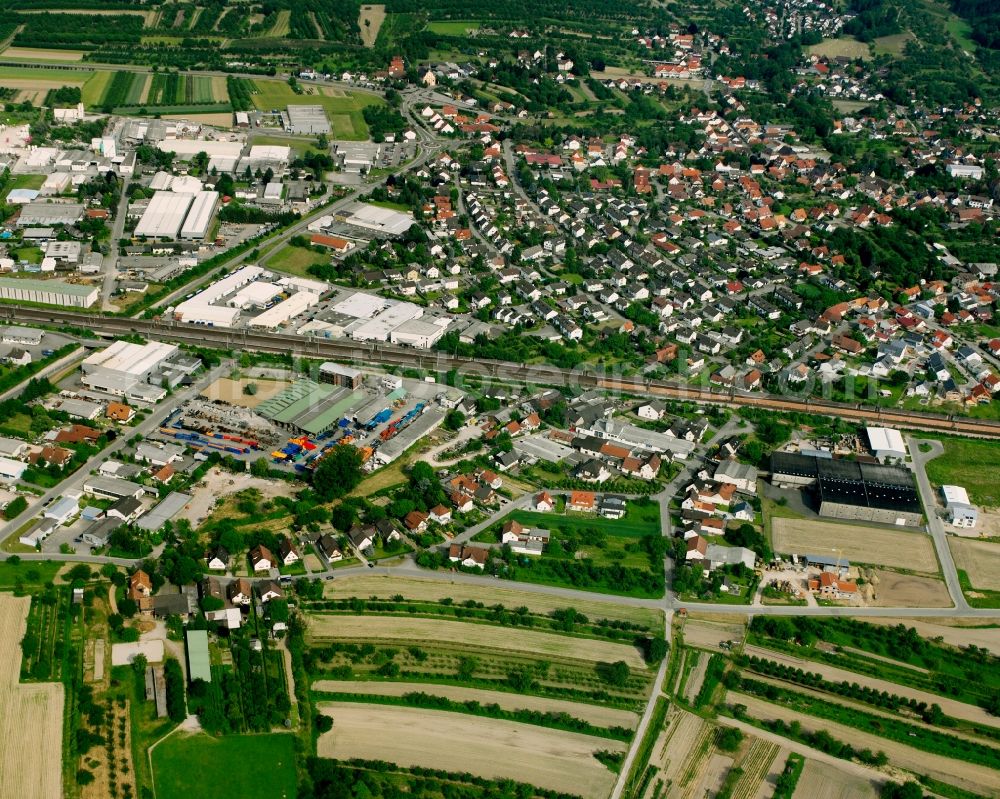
x=218, y=483
x=876, y=545
x=31, y=717
x=482, y=636
x=231, y=391
x=896, y=590
x=553, y=759
x=979, y=559
x=823, y=781
x=370, y=21
x=433, y=589
x=218, y=120
x=595, y=714
x=951, y=707
x=971, y=777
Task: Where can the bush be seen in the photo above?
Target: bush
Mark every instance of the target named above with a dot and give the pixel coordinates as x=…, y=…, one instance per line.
x=15, y=508
x=728, y=739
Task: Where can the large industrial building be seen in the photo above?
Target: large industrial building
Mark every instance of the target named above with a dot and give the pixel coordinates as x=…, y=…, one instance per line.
x=310, y=407
x=368, y=317
x=847, y=489
x=199, y=218
x=306, y=119
x=164, y=215
x=286, y=310
x=136, y=371
x=340, y=375
x=202, y=309
x=48, y=292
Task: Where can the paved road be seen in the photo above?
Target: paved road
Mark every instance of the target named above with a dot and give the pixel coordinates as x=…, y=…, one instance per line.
x=934, y=523
x=117, y=233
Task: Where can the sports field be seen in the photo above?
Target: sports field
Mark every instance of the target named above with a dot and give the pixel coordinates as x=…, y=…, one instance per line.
x=203, y=767
x=554, y=759
x=31, y=717
x=325, y=627
x=874, y=545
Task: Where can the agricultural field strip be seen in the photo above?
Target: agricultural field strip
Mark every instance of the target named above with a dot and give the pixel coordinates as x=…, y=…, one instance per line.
x=553, y=759
x=863, y=707
x=825, y=781
x=874, y=545
x=597, y=715
x=984, y=634
x=970, y=776
x=486, y=636
x=979, y=559
x=756, y=764
x=951, y=707
x=679, y=744
x=432, y=590
x=30, y=717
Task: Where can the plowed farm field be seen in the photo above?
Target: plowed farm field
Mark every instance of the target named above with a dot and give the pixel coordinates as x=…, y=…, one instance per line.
x=554, y=759
x=30, y=717
x=484, y=636
x=875, y=545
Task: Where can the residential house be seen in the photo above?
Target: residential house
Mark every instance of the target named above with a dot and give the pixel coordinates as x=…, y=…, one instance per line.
x=261, y=559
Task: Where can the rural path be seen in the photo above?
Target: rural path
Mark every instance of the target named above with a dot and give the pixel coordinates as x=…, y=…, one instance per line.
x=934, y=524
x=647, y=715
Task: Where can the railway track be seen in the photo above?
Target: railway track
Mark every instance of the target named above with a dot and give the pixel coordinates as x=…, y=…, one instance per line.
x=371, y=352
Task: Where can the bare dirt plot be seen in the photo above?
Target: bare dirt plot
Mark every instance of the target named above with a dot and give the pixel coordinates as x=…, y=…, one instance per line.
x=35, y=54
x=979, y=559
x=971, y=777
x=484, y=636
x=595, y=714
x=30, y=717
x=696, y=678
x=553, y=759
x=713, y=775
x=895, y=590
x=217, y=484
x=680, y=750
x=232, y=391
x=38, y=84
x=875, y=545
x=709, y=634
x=951, y=707
x=218, y=120
x=434, y=589
x=849, y=48
x=823, y=781
x=370, y=21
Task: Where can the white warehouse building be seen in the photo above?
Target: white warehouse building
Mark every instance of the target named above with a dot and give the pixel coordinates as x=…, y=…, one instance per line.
x=961, y=512
x=164, y=215
x=277, y=315
x=201, y=308
x=120, y=368
x=199, y=218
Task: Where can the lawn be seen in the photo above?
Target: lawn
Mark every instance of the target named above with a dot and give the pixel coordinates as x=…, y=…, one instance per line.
x=201, y=767
x=343, y=108
x=970, y=463
x=457, y=27
x=296, y=260
x=639, y=521
x=28, y=573
x=24, y=182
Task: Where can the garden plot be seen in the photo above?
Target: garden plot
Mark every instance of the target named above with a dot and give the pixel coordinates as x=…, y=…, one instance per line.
x=875, y=545
x=553, y=759
x=680, y=749
x=594, y=714
x=979, y=559
x=951, y=707
x=30, y=717
x=434, y=589
x=324, y=627
x=969, y=776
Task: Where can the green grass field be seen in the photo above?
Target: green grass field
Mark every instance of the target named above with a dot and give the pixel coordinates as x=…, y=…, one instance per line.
x=24, y=182
x=342, y=108
x=970, y=463
x=296, y=260
x=638, y=521
x=31, y=574
x=201, y=767
x=93, y=90
x=457, y=27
